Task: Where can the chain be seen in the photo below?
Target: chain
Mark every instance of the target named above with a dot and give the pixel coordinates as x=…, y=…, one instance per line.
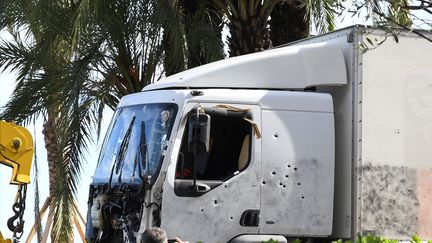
x=16, y=222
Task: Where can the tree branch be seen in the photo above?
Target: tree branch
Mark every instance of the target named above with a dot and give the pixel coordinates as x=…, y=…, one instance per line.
x=402, y=26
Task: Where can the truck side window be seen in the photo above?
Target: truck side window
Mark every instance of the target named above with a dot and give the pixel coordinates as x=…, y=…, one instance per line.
x=229, y=150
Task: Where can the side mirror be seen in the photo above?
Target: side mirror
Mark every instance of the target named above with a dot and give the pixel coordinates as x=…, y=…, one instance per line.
x=199, y=139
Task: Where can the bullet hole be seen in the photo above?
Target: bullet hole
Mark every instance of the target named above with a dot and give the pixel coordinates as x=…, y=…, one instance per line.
x=284, y=186
x=275, y=135
x=286, y=176
x=263, y=182
x=231, y=217
x=280, y=183
x=302, y=197
x=298, y=184
x=215, y=202
x=295, y=168
x=202, y=209
x=289, y=166
x=273, y=172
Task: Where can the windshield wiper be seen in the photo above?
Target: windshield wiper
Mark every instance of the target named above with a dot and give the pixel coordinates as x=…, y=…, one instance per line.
x=119, y=161
x=142, y=152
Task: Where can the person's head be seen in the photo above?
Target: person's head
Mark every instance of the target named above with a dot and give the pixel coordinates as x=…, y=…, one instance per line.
x=154, y=235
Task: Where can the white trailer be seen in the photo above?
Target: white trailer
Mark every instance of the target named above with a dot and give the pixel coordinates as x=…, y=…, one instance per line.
x=326, y=138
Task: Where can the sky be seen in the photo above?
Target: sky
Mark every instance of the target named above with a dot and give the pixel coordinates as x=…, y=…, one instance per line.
x=7, y=192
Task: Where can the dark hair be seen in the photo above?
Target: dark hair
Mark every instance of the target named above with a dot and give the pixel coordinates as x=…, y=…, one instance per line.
x=154, y=235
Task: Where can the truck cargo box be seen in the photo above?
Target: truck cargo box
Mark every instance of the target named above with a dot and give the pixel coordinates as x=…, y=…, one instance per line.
x=383, y=179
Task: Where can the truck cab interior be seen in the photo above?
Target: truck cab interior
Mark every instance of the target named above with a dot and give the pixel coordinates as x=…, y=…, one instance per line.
x=228, y=153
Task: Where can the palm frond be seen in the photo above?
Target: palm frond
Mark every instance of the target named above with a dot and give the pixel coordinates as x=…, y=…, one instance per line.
x=79, y=112
x=18, y=58
x=288, y=23
x=27, y=101
x=321, y=13
x=203, y=29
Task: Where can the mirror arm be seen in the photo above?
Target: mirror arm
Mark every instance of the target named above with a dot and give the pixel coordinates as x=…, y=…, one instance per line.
x=194, y=169
x=194, y=161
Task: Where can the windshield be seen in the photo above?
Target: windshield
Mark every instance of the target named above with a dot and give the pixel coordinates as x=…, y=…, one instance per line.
x=136, y=139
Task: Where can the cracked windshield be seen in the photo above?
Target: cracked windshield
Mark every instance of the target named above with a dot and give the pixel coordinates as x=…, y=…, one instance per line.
x=133, y=149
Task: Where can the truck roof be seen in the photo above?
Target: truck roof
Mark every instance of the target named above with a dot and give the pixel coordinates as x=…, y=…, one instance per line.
x=291, y=67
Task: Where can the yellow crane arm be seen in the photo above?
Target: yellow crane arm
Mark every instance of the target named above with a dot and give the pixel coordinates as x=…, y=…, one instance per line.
x=16, y=151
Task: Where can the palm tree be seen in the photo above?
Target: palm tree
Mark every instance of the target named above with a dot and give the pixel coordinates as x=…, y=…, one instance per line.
x=39, y=53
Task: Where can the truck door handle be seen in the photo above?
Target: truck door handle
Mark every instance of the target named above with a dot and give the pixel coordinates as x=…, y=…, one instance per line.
x=200, y=187
x=250, y=218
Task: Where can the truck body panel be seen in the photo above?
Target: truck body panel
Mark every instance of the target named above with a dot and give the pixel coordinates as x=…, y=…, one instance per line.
x=396, y=145
x=298, y=151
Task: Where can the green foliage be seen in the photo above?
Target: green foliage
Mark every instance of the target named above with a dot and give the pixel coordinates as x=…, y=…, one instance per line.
x=415, y=239
x=192, y=34
x=322, y=13
x=271, y=241
x=377, y=239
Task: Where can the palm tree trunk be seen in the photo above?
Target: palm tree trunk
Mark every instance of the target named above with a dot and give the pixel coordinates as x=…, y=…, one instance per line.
x=52, y=148
x=248, y=25
x=248, y=36
x=288, y=23
x=52, y=151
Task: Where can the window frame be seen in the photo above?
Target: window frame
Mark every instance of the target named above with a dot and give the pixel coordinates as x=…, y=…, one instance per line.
x=211, y=183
